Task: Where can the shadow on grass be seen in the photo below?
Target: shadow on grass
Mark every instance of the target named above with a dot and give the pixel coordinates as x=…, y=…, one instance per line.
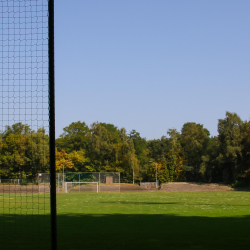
x=24, y=232
x=140, y=203
x=242, y=189
x=169, y=203
x=127, y=232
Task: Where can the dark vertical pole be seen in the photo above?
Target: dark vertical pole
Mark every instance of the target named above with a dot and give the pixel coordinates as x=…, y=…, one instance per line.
x=52, y=126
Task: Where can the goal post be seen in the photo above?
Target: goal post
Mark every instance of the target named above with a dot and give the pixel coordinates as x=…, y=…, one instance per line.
x=81, y=187
x=107, y=181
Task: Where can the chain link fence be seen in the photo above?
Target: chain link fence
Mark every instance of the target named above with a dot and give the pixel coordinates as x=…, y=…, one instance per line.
x=107, y=182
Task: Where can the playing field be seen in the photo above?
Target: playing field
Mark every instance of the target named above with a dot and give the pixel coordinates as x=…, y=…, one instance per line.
x=148, y=220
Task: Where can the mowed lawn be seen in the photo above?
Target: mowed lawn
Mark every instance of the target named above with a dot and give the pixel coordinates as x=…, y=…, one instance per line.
x=160, y=220
x=146, y=220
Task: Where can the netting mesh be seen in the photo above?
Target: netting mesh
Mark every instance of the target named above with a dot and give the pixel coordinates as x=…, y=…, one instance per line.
x=24, y=124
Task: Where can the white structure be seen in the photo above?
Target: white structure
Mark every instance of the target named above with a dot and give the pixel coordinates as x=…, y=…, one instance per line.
x=71, y=187
x=107, y=181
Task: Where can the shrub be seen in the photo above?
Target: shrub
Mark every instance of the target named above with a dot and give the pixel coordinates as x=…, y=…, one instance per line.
x=24, y=183
x=238, y=184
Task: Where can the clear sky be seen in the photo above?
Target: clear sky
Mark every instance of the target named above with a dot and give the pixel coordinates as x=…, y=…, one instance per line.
x=151, y=65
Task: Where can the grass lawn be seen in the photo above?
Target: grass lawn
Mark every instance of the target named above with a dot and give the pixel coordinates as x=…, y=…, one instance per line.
x=176, y=220
x=147, y=220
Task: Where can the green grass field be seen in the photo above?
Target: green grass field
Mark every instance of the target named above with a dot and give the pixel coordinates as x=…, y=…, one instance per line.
x=147, y=220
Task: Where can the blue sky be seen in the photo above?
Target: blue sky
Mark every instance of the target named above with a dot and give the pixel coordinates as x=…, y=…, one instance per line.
x=151, y=65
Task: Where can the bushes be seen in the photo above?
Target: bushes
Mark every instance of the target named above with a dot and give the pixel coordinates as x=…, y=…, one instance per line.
x=239, y=184
x=24, y=183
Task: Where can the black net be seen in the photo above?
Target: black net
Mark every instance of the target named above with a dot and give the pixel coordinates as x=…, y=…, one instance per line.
x=24, y=125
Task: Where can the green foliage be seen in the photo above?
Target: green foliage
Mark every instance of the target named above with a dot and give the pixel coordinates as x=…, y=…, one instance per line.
x=24, y=183
x=187, y=168
x=230, y=138
x=194, y=141
x=141, y=151
x=238, y=184
x=188, y=155
x=24, y=152
x=73, y=137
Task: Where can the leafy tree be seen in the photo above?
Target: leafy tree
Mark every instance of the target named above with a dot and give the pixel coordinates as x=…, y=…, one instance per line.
x=140, y=145
x=230, y=138
x=101, y=150
x=129, y=159
x=194, y=141
x=63, y=161
x=187, y=156
x=244, y=171
x=141, y=151
x=174, y=155
x=24, y=153
x=209, y=170
x=162, y=177
x=38, y=151
x=74, y=137
x=113, y=131
x=80, y=161
x=156, y=153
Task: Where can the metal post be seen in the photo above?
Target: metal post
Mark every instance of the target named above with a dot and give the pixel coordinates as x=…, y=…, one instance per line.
x=79, y=183
x=63, y=175
x=51, y=71
x=132, y=168
x=133, y=176
x=97, y=187
x=38, y=185
x=156, y=177
x=58, y=182
x=119, y=182
x=99, y=183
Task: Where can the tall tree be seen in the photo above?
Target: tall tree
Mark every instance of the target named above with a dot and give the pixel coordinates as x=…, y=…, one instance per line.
x=230, y=138
x=74, y=137
x=174, y=155
x=141, y=151
x=158, y=150
x=194, y=141
x=101, y=149
x=245, y=143
x=63, y=162
x=24, y=152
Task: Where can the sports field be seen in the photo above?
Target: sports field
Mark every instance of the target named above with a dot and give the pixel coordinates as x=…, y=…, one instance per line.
x=152, y=220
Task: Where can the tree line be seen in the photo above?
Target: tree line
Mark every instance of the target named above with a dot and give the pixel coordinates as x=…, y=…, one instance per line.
x=187, y=155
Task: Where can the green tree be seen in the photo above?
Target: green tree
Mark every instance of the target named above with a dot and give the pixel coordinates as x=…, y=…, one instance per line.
x=244, y=171
x=24, y=152
x=174, y=158
x=63, y=162
x=158, y=150
x=74, y=137
x=230, y=150
x=141, y=151
x=194, y=141
x=37, y=151
x=101, y=151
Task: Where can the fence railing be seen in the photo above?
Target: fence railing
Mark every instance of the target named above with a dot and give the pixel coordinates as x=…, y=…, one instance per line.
x=107, y=181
